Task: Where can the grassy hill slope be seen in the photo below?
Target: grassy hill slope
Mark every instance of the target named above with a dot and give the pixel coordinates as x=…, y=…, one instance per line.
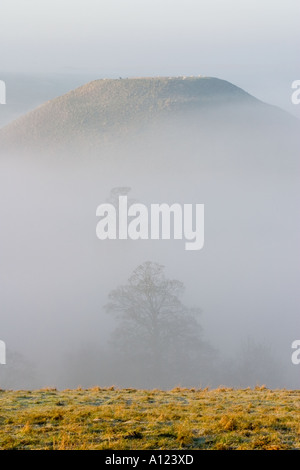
x=105, y=110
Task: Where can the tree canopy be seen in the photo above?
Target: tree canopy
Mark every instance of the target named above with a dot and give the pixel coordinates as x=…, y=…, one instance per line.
x=157, y=334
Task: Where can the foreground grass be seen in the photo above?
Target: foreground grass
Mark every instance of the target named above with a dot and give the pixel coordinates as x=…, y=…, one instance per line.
x=142, y=419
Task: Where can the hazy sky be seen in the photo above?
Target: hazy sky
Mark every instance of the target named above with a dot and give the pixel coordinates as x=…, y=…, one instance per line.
x=254, y=44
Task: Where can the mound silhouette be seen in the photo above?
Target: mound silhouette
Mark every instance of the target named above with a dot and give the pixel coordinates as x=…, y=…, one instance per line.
x=154, y=123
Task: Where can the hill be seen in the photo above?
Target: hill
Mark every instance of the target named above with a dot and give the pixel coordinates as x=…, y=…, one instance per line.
x=109, y=111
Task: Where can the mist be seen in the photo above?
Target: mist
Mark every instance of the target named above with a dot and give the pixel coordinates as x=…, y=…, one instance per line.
x=56, y=275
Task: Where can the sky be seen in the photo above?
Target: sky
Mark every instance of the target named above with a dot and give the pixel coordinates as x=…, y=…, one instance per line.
x=253, y=44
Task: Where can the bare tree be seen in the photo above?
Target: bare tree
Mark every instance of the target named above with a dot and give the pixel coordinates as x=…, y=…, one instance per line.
x=157, y=334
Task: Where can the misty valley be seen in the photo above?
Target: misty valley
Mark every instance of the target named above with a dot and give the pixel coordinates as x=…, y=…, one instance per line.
x=144, y=302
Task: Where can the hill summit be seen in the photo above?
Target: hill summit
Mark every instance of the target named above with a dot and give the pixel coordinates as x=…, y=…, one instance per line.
x=141, y=111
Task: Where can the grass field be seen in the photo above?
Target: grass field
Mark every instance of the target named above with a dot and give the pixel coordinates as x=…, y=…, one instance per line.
x=110, y=418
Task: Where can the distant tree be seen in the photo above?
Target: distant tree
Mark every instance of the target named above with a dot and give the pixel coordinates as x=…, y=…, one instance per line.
x=157, y=334
x=258, y=364
x=18, y=373
x=116, y=192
